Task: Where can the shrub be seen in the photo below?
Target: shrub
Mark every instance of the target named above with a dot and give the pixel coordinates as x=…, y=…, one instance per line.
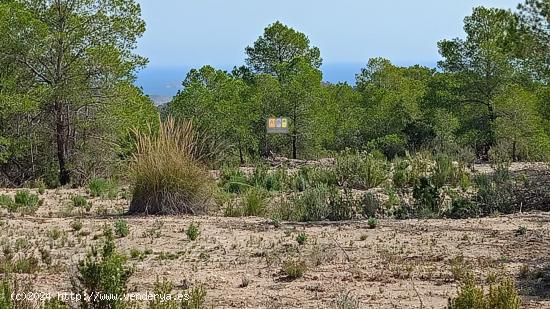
x=369, y=205
x=121, y=228
x=100, y=187
x=233, y=180
x=372, y=223
x=102, y=272
x=167, y=172
x=254, y=202
x=391, y=145
x=463, y=208
x=445, y=172
x=500, y=296
x=25, y=198
x=340, y=206
x=192, y=232
x=312, y=204
x=166, y=300
x=294, y=269
x=76, y=225
x=301, y=238
x=346, y=300
x=400, y=175
x=277, y=180
x=360, y=171
x=196, y=297
x=79, y=201
x=427, y=199
x=6, y=201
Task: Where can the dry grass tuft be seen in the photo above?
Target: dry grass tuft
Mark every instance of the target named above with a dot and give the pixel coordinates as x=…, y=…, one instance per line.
x=169, y=176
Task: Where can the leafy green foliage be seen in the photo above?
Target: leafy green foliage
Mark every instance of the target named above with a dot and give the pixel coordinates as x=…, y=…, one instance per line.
x=100, y=187
x=360, y=171
x=103, y=272
x=121, y=228
x=192, y=231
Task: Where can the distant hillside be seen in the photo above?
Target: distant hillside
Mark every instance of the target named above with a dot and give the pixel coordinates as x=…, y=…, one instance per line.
x=160, y=99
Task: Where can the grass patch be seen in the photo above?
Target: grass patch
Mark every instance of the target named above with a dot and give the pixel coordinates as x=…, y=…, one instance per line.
x=167, y=171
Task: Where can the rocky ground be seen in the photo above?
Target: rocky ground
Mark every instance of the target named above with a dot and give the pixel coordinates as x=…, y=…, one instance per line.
x=398, y=264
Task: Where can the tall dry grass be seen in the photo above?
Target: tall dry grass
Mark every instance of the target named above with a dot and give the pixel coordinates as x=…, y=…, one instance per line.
x=168, y=173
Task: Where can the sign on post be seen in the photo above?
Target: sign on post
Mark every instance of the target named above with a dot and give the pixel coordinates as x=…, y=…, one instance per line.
x=277, y=125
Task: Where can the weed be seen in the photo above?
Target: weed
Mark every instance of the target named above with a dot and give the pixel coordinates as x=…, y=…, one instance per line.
x=192, y=231
x=79, y=201
x=254, y=202
x=121, y=228
x=102, y=272
x=294, y=269
x=195, y=298
x=372, y=223
x=301, y=238
x=522, y=230
x=76, y=225
x=100, y=187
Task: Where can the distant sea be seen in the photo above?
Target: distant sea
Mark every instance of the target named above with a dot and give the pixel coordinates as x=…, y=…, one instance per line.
x=162, y=83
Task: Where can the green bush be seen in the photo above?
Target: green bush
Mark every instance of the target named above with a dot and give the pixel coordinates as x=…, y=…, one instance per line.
x=312, y=204
x=427, y=199
x=463, y=208
x=360, y=171
x=301, y=238
x=500, y=296
x=79, y=201
x=391, y=145
x=25, y=198
x=121, y=228
x=294, y=269
x=100, y=187
x=168, y=172
x=196, y=298
x=233, y=180
x=102, y=272
x=192, y=231
x=6, y=201
x=369, y=205
x=254, y=202
x=340, y=206
x=372, y=223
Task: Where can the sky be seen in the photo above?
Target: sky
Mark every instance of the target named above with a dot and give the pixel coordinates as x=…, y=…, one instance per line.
x=185, y=34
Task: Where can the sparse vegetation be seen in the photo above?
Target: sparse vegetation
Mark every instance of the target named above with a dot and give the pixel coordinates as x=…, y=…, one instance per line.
x=192, y=231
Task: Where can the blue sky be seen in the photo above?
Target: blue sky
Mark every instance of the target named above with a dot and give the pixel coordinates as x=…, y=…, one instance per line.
x=184, y=34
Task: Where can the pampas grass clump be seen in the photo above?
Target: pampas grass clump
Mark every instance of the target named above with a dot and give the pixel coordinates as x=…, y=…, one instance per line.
x=167, y=171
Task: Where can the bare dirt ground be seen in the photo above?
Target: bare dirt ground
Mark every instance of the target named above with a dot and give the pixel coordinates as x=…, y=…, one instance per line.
x=399, y=264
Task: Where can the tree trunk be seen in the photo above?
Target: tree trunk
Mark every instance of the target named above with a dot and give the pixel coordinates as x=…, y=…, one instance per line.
x=241, y=157
x=61, y=141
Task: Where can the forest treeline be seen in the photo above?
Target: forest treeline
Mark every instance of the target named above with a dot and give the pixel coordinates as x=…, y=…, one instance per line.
x=68, y=105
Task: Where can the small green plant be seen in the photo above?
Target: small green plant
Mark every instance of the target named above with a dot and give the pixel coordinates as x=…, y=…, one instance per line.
x=76, y=225
x=522, y=230
x=502, y=295
x=195, y=298
x=301, y=238
x=372, y=223
x=165, y=300
x=294, y=269
x=360, y=171
x=102, y=272
x=79, y=201
x=254, y=202
x=6, y=201
x=121, y=228
x=55, y=233
x=192, y=231
x=100, y=187
x=27, y=199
